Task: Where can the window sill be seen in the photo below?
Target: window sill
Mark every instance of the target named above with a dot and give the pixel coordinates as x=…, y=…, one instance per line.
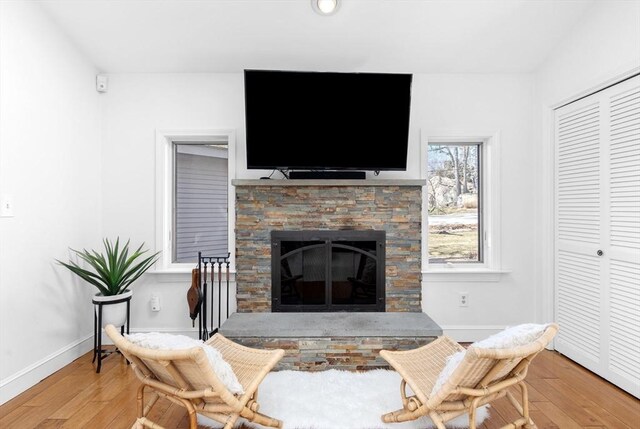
x=463, y=275
x=170, y=275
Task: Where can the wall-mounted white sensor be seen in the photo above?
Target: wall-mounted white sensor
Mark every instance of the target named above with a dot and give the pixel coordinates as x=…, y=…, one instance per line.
x=101, y=83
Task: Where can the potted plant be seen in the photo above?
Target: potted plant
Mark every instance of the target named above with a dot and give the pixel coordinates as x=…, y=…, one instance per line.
x=112, y=272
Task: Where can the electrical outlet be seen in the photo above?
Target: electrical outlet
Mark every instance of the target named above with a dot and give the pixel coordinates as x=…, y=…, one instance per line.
x=155, y=303
x=463, y=299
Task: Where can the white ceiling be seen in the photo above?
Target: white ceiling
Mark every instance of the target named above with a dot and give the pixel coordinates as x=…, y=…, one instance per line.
x=416, y=36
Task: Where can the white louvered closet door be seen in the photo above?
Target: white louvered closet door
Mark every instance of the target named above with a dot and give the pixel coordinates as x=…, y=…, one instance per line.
x=597, y=260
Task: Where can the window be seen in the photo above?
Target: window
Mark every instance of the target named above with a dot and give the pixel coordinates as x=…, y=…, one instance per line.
x=194, y=196
x=454, y=203
x=461, y=207
x=200, y=221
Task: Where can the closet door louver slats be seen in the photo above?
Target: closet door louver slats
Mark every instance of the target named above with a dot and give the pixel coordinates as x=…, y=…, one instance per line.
x=597, y=247
x=625, y=164
x=624, y=229
x=577, y=228
x=578, y=282
x=578, y=194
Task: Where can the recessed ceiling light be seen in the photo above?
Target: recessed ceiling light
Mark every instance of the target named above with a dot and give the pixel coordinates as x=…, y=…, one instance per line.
x=325, y=7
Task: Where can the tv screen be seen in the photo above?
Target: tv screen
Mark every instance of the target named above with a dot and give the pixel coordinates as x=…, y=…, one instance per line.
x=327, y=120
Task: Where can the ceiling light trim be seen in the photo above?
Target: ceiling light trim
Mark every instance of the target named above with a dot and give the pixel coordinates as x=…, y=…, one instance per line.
x=325, y=7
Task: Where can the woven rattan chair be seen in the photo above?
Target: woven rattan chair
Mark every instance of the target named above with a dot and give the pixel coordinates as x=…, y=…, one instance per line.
x=482, y=376
x=186, y=378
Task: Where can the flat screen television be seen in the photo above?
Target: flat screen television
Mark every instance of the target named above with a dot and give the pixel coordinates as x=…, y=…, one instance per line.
x=327, y=120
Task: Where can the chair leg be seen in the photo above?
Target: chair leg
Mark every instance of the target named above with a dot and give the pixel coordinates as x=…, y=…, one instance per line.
x=472, y=412
x=140, y=400
x=193, y=418
x=143, y=410
x=259, y=418
x=232, y=420
x=146, y=423
x=191, y=413
x=435, y=418
x=523, y=408
x=402, y=415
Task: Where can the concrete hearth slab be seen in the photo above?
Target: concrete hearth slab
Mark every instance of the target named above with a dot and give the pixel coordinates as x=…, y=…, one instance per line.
x=306, y=325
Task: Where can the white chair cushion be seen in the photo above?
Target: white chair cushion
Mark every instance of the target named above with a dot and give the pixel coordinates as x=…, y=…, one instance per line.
x=514, y=336
x=164, y=341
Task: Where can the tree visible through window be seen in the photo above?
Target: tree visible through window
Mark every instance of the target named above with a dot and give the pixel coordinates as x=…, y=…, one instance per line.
x=453, y=184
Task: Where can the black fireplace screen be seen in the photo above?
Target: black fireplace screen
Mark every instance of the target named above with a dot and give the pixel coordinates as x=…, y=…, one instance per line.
x=328, y=270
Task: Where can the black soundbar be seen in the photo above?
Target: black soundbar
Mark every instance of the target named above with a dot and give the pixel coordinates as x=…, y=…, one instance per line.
x=348, y=175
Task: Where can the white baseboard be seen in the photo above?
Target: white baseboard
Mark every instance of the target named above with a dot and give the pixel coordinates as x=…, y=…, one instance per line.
x=17, y=383
x=470, y=333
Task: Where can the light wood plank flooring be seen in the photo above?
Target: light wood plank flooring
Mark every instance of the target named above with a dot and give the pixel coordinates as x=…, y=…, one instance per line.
x=562, y=394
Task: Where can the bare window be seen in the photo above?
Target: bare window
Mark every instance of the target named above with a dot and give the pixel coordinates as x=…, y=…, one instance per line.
x=200, y=204
x=455, y=202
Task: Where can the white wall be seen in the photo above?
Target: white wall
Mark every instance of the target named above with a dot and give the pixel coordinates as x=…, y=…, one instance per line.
x=603, y=48
x=138, y=104
x=453, y=105
x=74, y=182
x=50, y=163
x=135, y=106
x=604, y=43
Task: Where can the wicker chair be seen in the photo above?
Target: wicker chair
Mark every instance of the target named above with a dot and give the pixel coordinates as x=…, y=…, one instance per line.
x=186, y=378
x=482, y=376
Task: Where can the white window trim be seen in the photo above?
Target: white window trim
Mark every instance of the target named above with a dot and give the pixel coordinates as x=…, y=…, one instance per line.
x=490, y=269
x=164, y=191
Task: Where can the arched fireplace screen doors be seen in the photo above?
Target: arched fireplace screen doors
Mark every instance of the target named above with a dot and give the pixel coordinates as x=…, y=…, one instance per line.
x=342, y=270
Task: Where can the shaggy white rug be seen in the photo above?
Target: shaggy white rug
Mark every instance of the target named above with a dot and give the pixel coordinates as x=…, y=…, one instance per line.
x=336, y=399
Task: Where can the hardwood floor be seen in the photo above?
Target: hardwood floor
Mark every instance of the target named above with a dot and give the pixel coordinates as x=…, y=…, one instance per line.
x=562, y=395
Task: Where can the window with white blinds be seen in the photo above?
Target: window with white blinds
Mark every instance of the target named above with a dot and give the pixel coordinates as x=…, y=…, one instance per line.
x=200, y=201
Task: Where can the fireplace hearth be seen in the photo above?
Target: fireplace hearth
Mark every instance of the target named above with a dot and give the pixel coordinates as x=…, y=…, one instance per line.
x=328, y=271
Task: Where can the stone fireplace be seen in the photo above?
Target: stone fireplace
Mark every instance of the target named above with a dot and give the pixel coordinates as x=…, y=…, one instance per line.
x=392, y=206
x=323, y=211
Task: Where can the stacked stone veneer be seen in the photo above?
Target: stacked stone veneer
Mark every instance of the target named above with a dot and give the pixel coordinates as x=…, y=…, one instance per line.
x=345, y=353
x=261, y=209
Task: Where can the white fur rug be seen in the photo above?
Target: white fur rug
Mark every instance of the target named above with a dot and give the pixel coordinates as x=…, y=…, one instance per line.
x=336, y=399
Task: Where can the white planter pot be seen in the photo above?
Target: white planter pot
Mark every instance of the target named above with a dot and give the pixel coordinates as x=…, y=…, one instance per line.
x=114, y=314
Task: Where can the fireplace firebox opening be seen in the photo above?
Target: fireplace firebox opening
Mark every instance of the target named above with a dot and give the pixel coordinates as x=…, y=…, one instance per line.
x=318, y=271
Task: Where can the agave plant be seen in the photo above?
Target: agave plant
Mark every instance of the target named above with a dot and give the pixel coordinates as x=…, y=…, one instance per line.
x=114, y=271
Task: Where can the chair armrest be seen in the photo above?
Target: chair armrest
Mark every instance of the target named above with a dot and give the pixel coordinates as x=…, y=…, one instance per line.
x=432, y=358
x=250, y=365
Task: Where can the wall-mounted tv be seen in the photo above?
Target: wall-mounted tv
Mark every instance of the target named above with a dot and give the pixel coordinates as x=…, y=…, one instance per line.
x=327, y=120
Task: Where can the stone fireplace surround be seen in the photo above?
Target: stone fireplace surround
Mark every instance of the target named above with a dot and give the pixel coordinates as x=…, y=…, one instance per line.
x=319, y=341
x=390, y=205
